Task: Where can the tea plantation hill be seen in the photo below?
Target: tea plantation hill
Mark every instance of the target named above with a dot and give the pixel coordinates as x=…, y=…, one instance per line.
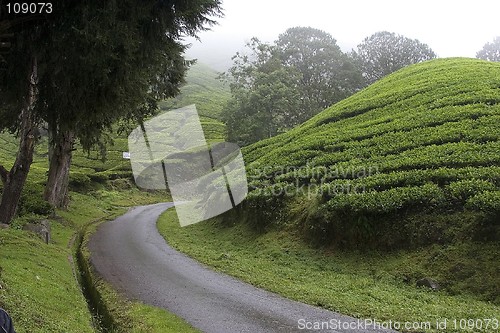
x=413, y=159
x=209, y=94
x=202, y=88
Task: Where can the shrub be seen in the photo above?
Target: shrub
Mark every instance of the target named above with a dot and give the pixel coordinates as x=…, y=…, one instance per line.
x=487, y=202
x=460, y=191
x=117, y=174
x=99, y=177
x=79, y=181
x=32, y=201
x=390, y=201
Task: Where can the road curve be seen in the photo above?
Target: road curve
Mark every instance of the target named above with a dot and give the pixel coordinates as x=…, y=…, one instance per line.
x=130, y=254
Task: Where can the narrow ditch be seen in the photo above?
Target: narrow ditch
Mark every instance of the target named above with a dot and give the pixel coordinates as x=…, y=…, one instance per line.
x=102, y=320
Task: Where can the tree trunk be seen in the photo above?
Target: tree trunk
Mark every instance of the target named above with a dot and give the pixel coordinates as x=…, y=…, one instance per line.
x=14, y=180
x=60, y=154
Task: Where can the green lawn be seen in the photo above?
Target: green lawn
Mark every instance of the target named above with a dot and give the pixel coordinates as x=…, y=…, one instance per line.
x=39, y=289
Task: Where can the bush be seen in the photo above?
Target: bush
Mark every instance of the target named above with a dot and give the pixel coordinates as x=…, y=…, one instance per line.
x=117, y=174
x=79, y=181
x=32, y=201
x=462, y=190
x=390, y=201
x=99, y=177
x=120, y=184
x=487, y=202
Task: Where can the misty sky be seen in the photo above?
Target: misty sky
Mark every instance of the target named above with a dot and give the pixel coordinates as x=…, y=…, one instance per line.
x=450, y=28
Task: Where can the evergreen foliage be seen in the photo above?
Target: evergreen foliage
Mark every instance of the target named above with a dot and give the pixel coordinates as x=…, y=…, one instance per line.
x=95, y=63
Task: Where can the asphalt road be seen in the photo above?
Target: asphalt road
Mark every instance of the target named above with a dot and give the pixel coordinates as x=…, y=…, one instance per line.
x=130, y=254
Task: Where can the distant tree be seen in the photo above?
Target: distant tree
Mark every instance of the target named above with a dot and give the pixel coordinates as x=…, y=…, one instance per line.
x=265, y=96
x=278, y=86
x=490, y=51
x=327, y=74
x=385, y=52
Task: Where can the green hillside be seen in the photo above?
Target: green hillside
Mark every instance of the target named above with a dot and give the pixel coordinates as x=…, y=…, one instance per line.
x=209, y=94
x=202, y=88
x=411, y=160
x=89, y=169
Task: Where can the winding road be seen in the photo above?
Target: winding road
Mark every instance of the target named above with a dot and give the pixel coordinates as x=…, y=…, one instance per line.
x=130, y=254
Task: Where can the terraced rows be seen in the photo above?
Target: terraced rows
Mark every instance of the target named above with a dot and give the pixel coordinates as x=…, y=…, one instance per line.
x=426, y=137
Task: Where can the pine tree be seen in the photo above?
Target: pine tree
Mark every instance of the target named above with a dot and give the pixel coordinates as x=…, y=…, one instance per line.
x=98, y=62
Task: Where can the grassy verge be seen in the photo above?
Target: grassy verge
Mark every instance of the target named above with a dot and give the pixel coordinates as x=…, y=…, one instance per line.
x=39, y=285
x=39, y=289
x=365, y=285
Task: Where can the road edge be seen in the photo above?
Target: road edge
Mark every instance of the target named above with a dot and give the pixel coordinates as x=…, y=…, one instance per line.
x=114, y=311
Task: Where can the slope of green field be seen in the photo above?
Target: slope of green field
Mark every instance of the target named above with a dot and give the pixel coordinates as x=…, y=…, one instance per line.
x=209, y=94
x=423, y=141
x=203, y=89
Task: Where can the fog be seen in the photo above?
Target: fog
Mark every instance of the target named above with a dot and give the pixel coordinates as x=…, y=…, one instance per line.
x=450, y=28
